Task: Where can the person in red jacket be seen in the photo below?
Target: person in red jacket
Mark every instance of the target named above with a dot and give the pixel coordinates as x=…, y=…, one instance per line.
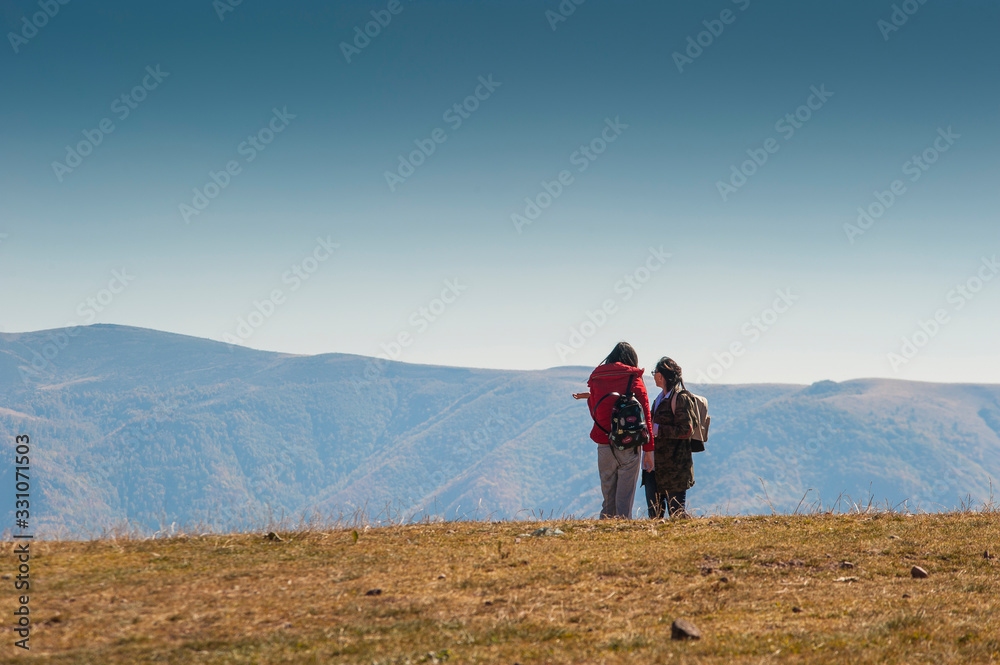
x=619, y=469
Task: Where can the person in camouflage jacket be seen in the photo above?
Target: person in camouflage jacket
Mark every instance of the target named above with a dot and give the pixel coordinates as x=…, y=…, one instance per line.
x=673, y=424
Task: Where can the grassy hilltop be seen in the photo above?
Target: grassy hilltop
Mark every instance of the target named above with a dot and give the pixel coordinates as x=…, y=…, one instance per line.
x=806, y=589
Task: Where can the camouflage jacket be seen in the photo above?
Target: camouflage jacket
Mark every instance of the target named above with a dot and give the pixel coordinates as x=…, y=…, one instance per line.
x=672, y=462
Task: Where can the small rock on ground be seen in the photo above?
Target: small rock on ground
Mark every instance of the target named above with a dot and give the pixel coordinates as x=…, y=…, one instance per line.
x=682, y=629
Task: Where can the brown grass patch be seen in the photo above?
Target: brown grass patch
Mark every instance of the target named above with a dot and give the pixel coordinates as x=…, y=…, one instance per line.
x=482, y=592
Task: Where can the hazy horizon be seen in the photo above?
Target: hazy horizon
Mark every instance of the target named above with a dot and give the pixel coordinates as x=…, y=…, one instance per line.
x=647, y=378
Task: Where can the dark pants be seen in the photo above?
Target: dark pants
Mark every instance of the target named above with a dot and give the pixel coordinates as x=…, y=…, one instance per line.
x=658, y=503
x=676, y=502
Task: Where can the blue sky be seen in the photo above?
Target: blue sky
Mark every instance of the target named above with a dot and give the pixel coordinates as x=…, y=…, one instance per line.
x=311, y=248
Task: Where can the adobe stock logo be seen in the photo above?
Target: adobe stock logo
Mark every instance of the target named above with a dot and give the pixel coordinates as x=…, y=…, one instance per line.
x=714, y=28
x=122, y=106
x=249, y=149
x=565, y=9
x=455, y=115
x=381, y=18
x=581, y=158
x=294, y=277
x=915, y=168
x=87, y=311
x=786, y=126
x=223, y=7
x=899, y=17
x=958, y=297
x=626, y=287
x=38, y=20
x=420, y=322
x=753, y=330
x=421, y=319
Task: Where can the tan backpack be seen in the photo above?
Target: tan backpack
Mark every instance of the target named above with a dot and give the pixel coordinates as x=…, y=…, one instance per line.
x=701, y=419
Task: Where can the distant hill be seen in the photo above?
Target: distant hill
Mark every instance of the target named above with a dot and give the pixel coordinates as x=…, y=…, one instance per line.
x=160, y=428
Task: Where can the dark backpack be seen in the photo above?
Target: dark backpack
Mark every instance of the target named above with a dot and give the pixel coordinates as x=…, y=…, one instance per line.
x=628, y=420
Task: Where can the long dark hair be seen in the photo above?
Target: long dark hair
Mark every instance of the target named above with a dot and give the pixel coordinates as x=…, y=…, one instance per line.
x=670, y=371
x=622, y=353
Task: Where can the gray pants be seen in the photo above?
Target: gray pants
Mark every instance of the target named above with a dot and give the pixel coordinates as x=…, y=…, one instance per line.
x=619, y=471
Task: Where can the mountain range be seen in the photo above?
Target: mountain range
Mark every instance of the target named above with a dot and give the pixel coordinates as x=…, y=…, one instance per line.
x=158, y=429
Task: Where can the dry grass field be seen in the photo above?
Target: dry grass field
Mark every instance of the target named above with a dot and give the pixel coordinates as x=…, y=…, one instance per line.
x=798, y=589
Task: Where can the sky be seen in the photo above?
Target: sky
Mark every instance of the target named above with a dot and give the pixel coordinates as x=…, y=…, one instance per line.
x=766, y=192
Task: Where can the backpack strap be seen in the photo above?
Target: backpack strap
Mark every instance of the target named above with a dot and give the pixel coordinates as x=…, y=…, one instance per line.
x=673, y=396
x=593, y=414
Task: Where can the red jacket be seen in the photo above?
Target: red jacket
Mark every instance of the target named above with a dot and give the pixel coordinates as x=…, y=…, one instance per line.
x=613, y=378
